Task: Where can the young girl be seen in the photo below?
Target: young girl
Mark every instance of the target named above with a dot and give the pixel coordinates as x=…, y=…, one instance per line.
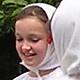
x=47, y=58
x=34, y=43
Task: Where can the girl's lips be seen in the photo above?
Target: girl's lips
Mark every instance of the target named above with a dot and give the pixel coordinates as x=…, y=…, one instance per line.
x=29, y=54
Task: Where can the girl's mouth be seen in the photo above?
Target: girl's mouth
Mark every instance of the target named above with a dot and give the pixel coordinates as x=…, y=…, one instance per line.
x=29, y=55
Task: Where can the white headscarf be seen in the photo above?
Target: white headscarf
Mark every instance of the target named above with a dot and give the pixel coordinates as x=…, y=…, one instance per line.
x=50, y=61
x=66, y=35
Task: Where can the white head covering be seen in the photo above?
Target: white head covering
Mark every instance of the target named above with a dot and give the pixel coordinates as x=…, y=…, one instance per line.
x=50, y=61
x=66, y=34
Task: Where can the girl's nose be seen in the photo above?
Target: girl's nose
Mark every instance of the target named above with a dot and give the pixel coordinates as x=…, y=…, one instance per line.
x=26, y=48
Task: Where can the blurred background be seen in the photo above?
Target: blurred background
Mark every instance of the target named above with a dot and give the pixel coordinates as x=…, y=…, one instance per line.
x=9, y=60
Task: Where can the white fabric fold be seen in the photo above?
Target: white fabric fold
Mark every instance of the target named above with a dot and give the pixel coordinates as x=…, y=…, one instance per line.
x=65, y=27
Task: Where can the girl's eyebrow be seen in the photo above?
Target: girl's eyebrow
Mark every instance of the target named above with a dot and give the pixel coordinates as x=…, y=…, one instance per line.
x=33, y=35
x=17, y=34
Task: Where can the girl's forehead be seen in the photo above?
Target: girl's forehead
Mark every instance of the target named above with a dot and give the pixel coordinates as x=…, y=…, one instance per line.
x=32, y=23
x=30, y=26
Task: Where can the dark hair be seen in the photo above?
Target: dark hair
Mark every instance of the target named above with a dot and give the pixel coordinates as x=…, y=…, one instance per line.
x=33, y=11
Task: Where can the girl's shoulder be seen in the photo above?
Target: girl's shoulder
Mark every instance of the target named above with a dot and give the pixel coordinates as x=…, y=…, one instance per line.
x=23, y=76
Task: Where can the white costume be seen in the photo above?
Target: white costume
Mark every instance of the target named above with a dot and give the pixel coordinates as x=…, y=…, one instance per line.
x=65, y=28
x=50, y=61
x=52, y=56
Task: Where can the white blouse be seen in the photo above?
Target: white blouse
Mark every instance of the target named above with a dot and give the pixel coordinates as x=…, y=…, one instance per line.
x=55, y=75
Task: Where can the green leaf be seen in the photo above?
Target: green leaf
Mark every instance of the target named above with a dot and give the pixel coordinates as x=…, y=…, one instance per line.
x=15, y=12
x=21, y=2
x=1, y=14
x=33, y=1
x=7, y=2
x=39, y=0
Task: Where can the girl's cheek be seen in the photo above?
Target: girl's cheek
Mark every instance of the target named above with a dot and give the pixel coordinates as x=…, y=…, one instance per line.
x=40, y=48
x=18, y=47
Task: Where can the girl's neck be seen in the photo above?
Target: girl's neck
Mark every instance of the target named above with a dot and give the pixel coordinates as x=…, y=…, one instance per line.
x=41, y=72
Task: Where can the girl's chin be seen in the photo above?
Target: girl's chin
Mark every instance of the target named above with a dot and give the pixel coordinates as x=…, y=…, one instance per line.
x=32, y=64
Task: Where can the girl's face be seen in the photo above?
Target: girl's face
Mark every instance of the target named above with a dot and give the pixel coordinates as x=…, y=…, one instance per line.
x=31, y=40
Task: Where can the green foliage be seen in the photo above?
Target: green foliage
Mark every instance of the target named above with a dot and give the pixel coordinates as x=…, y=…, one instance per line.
x=10, y=8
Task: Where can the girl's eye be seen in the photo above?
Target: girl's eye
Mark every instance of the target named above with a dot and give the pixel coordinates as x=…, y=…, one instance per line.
x=19, y=40
x=35, y=40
